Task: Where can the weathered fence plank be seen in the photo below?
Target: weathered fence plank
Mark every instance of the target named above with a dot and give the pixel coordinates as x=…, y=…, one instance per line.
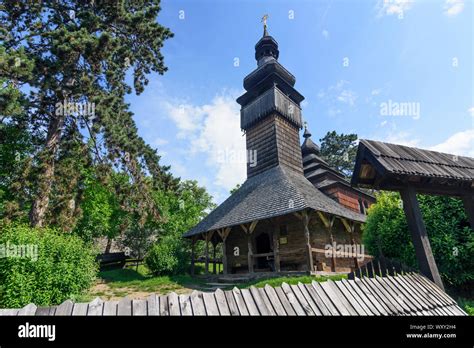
x=173, y=304
x=80, y=309
x=95, y=307
x=197, y=303
x=251, y=306
x=153, y=304
x=29, y=309
x=210, y=303
x=221, y=302
x=110, y=308
x=273, y=298
x=292, y=299
x=124, y=306
x=185, y=305
x=322, y=295
x=233, y=308
x=139, y=307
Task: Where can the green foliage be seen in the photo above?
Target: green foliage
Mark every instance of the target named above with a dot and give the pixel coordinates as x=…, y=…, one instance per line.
x=467, y=305
x=63, y=267
x=101, y=211
x=339, y=150
x=80, y=53
x=451, y=238
x=235, y=189
x=167, y=257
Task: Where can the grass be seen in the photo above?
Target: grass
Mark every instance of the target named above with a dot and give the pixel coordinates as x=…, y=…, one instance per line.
x=139, y=282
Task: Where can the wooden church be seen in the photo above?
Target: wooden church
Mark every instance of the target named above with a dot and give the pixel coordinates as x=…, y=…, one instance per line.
x=293, y=205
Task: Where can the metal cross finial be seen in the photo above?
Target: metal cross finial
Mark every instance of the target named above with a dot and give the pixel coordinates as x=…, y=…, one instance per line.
x=264, y=21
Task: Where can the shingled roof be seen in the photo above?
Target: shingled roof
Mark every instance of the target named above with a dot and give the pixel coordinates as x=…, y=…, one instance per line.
x=275, y=192
x=411, y=160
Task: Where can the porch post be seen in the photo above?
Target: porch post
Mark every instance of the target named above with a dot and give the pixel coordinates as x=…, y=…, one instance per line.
x=250, y=252
x=419, y=236
x=331, y=237
x=224, y=233
x=193, y=251
x=350, y=227
x=276, y=246
x=328, y=223
x=309, y=251
x=249, y=231
x=207, y=237
x=214, y=258
x=207, y=254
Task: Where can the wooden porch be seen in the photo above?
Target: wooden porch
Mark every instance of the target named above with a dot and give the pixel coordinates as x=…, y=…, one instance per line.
x=273, y=258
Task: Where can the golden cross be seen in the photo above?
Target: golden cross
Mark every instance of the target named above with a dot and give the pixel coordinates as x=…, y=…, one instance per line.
x=264, y=20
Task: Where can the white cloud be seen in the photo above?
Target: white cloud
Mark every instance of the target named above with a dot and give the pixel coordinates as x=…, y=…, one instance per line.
x=471, y=111
x=376, y=91
x=325, y=34
x=159, y=142
x=402, y=138
x=187, y=118
x=213, y=129
x=392, y=7
x=453, y=7
x=347, y=97
x=461, y=143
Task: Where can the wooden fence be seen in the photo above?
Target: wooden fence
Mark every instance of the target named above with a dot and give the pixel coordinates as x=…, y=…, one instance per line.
x=380, y=267
x=408, y=294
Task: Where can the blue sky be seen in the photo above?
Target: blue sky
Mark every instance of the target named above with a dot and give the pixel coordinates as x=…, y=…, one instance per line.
x=350, y=58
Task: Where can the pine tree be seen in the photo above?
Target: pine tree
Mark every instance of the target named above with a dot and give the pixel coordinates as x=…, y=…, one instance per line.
x=80, y=54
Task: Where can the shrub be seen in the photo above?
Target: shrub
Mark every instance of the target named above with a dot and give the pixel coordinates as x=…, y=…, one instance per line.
x=167, y=256
x=451, y=238
x=63, y=268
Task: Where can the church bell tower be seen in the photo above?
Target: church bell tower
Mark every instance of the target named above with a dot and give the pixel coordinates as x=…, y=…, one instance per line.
x=270, y=111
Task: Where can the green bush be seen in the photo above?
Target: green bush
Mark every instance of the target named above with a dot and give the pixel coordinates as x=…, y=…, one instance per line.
x=167, y=256
x=62, y=267
x=451, y=238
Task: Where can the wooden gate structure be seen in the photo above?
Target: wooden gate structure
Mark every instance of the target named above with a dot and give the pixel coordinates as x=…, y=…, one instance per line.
x=409, y=170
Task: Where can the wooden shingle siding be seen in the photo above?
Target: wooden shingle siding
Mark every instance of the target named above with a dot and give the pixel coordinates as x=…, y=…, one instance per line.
x=409, y=294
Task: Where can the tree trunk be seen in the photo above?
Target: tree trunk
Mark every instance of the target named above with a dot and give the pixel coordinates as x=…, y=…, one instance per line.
x=109, y=245
x=41, y=201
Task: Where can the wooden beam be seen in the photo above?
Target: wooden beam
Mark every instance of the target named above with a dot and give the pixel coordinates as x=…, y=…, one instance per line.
x=193, y=254
x=252, y=226
x=224, y=233
x=250, y=252
x=350, y=228
x=468, y=202
x=331, y=237
x=323, y=218
x=276, y=245
x=214, y=258
x=298, y=215
x=309, y=253
x=424, y=255
x=206, y=238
